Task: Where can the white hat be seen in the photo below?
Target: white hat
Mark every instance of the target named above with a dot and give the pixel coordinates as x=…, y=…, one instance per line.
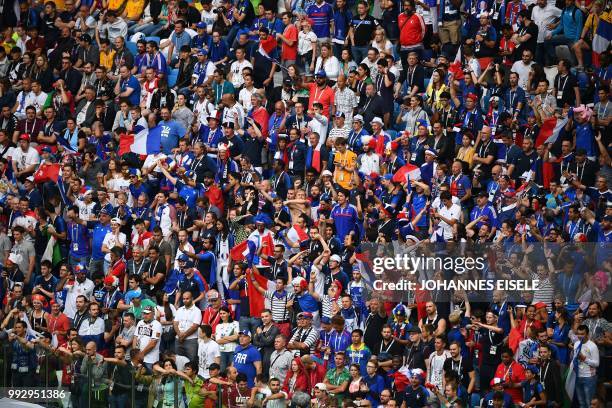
x=30, y=179
x=15, y=258
x=326, y=173
x=321, y=387
x=358, y=118
x=116, y=220
x=222, y=147
x=336, y=258
x=377, y=120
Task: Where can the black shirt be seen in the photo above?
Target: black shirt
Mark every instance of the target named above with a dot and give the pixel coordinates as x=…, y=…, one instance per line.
x=363, y=30
x=463, y=368
x=565, y=89
x=373, y=327
x=530, y=44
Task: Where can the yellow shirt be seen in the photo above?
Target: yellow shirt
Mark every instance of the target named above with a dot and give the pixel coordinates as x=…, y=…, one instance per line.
x=59, y=4
x=106, y=59
x=115, y=4
x=134, y=9
x=342, y=176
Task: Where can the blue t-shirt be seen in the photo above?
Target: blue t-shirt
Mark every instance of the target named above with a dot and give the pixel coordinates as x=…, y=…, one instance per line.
x=585, y=139
x=133, y=83
x=345, y=220
x=97, y=237
x=243, y=359
x=171, y=132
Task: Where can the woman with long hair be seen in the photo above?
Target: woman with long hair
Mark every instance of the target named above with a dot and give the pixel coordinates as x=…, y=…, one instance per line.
x=536, y=74
x=357, y=388
x=434, y=90
x=466, y=151
x=42, y=73
x=307, y=48
x=114, y=171
x=413, y=115
x=296, y=379
x=560, y=335
x=381, y=43
x=225, y=241
x=170, y=386
x=346, y=62
x=38, y=316
x=226, y=336
x=363, y=79
x=328, y=62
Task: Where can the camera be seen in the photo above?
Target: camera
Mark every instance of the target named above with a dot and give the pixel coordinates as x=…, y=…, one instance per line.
x=219, y=10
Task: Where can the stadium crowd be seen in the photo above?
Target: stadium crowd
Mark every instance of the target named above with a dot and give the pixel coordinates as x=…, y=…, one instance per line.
x=193, y=195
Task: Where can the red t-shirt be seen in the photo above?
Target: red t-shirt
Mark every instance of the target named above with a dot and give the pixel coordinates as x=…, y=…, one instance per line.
x=118, y=270
x=59, y=323
x=289, y=52
x=324, y=96
x=237, y=398
x=515, y=373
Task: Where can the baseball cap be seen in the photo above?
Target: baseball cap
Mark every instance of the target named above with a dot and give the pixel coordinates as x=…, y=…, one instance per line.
x=245, y=332
x=201, y=24
x=80, y=268
x=86, y=38
x=321, y=74
x=202, y=51
x=340, y=114
x=432, y=152
x=358, y=118
x=325, y=320
x=116, y=220
x=336, y=258
x=183, y=258
x=147, y=309
x=287, y=81
x=47, y=149
x=24, y=136
x=30, y=179
x=483, y=194
x=414, y=329
x=496, y=381
x=104, y=211
x=304, y=315
x=326, y=173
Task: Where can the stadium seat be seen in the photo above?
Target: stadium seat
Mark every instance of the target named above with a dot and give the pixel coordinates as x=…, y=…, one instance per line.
x=156, y=39
x=563, y=52
x=172, y=77
x=131, y=47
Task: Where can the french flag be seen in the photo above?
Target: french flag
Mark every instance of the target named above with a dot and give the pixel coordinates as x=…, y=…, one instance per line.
x=297, y=234
x=143, y=141
x=245, y=250
x=257, y=302
x=407, y=172
x=551, y=128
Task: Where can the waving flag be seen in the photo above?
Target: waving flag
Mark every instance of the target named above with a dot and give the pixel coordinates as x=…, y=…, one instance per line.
x=401, y=378
x=603, y=36
x=549, y=133
x=47, y=172
x=144, y=140
x=62, y=190
x=240, y=252
x=257, y=302
x=407, y=172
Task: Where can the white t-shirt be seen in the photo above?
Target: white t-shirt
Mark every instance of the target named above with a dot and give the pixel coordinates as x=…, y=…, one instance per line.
x=225, y=330
x=145, y=332
x=453, y=213
x=236, y=70
x=186, y=317
x=305, y=41
x=75, y=290
x=523, y=72
x=244, y=97
x=542, y=16
x=119, y=184
x=38, y=101
x=24, y=159
x=207, y=352
x=111, y=240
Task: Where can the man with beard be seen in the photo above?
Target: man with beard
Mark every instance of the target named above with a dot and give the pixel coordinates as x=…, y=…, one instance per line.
x=146, y=339
x=186, y=322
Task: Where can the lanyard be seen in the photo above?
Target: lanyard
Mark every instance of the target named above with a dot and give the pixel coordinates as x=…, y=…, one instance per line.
x=388, y=347
x=154, y=267
x=580, y=171
x=74, y=232
x=599, y=115
x=137, y=272
x=318, y=95
x=458, y=370
x=559, y=87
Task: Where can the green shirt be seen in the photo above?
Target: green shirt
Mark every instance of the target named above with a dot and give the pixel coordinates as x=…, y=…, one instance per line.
x=138, y=310
x=194, y=398
x=336, y=378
